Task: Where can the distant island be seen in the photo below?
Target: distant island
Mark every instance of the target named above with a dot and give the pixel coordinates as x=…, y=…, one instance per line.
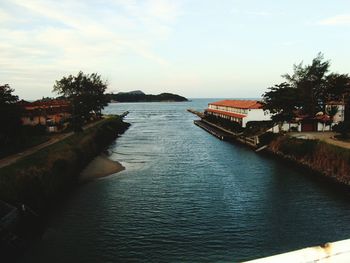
x=139, y=96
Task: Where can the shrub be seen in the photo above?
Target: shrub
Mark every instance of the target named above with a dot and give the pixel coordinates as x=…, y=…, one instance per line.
x=267, y=137
x=297, y=147
x=343, y=128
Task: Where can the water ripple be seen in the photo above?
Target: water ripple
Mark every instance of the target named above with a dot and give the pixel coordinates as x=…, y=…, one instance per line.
x=186, y=196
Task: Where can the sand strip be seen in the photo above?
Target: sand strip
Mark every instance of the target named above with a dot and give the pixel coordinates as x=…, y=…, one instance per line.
x=99, y=167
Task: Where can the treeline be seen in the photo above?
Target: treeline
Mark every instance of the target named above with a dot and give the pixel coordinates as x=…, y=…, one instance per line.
x=141, y=97
x=307, y=91
x=84, y=92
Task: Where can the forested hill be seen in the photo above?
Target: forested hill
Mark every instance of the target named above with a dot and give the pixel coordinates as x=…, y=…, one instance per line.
x=142, y=97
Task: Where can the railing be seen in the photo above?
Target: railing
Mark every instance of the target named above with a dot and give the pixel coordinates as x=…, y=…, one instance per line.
x=330, y=252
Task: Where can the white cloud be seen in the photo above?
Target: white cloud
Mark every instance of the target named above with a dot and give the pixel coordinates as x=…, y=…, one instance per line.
x=58, y=38
x=342, y=20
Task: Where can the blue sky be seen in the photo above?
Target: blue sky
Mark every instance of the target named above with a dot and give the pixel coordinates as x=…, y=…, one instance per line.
x=196, y=48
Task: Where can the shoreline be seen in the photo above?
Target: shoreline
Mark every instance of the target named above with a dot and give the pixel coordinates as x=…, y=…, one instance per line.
x=100, y=166
x=327, y=160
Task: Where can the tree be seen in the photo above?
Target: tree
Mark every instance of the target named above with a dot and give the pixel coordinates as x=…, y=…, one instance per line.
x=86, y=94
x=311, y=83
x=10, y=116
x=343, y=128
x=338, y=89
x=282, y=101
x=307, y=91
x=331, y=111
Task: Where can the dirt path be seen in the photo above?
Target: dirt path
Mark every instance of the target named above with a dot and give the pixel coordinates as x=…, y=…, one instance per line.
x=322, y=136
x=15, y=157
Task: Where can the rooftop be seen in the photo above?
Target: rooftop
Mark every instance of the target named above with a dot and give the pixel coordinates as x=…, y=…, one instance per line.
x=48, y=103
x=241, y=104
x=231, y=114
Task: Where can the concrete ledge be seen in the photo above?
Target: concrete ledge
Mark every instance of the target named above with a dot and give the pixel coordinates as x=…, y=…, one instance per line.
x=330, y=252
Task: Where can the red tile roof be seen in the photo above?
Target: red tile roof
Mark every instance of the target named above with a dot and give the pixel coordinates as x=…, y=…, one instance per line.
x=241, y=104
x=44, y=104
x=231, y=114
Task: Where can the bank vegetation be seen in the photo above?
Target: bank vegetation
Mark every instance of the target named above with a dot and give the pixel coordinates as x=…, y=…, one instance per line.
x=50, y=173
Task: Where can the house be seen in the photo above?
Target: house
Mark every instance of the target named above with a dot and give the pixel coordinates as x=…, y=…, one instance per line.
x=340, y=111
x=51, y=113
x=239, y=111
x=321, y=122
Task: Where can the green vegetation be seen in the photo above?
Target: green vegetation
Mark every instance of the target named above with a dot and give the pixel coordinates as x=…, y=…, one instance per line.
x=10, y=118
x=50, y=173
x=15, y=137
x=343, y=129
x=299, y=148
x=86, y=94
x=141, y=97
x=330, y=160
x=307, y=91
x=267, y=137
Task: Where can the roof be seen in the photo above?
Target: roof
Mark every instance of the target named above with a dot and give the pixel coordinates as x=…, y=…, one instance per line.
x=231, y=114
x=44, y=104
x=241, y=104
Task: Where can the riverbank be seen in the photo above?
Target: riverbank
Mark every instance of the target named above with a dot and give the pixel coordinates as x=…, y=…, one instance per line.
x=100, y=166
x=46, y=176
x=320, y=157
x=330, y=161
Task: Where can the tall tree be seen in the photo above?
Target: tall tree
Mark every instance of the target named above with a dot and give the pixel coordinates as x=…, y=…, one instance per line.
x=10, y=116
x=282, y=101
x=338, y=89
x=86, y=93
x=311, y=83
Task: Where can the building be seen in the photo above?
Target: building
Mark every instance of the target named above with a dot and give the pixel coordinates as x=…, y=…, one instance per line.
x=323, y=121
x=51, y=113
x=340, y=107
x=240, y=111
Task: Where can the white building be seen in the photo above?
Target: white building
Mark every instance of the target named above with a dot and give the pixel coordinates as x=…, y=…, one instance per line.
x=241, y=111
x=339, y=116
x=322, y=122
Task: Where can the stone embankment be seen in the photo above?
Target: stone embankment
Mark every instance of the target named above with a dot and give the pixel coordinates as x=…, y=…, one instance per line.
x=329, y=160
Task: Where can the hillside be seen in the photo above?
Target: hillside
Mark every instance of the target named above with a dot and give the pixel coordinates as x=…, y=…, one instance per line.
x=139, y=96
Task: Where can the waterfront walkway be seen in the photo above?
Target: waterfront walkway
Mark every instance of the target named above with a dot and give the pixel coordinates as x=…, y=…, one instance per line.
x=322, y=136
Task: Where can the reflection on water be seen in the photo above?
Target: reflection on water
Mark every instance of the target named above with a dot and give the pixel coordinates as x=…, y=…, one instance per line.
x=186, y=196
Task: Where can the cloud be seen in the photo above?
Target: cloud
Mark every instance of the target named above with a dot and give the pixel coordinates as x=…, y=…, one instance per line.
x=339, y=20
x=66, y=36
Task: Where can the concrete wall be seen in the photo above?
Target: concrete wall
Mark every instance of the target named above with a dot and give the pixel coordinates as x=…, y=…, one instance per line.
x=323, y=127
x=340, y=114
x=329, y=252
x=256, y=115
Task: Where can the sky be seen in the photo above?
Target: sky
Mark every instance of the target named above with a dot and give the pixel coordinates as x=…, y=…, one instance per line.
x=195, y=48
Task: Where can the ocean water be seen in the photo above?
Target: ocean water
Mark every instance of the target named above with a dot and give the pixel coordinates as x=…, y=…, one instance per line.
x=186, y=196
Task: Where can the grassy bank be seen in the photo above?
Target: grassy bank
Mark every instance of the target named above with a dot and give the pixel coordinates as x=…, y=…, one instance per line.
x=327, y=159
x=47, y=175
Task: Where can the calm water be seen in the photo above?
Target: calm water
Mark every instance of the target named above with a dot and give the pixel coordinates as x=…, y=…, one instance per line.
x=186, y=196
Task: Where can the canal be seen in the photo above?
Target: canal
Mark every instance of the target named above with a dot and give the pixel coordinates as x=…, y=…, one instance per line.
x=186, y=196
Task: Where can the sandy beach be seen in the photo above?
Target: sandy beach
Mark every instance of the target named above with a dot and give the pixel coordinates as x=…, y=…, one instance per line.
x=99, y=167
